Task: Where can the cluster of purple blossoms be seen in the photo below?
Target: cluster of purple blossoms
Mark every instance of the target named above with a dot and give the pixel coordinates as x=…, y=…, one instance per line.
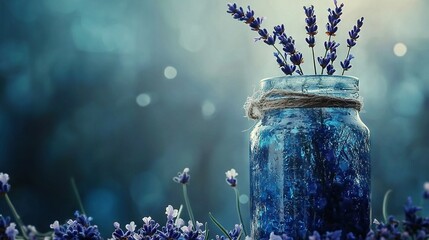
x=78, y=229
x=4, y=185
x=8, y=229
x=288, y=44
x=174, y=228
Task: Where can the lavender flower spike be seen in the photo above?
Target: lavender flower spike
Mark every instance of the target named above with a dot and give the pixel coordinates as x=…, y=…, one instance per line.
x=4, y=185
x=182, y=177
x=354, y=33
x=311, y=27
x=334, y=19
x=231, y=177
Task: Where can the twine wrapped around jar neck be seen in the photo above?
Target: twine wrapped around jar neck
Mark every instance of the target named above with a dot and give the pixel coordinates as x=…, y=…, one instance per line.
x=280, y=99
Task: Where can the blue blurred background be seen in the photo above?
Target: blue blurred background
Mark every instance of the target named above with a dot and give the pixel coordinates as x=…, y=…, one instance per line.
x=123, y=94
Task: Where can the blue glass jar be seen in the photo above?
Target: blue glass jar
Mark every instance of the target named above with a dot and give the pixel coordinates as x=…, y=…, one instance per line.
x=310, y=166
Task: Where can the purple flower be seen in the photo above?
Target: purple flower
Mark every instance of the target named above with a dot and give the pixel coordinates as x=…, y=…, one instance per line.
x=235, y=233
x=354, y=33
x=271, y=40
x=288, y=69
x=296, y=58
x=268, y=39
x=346, y=64
x=331, y=46
x=311, y=27
x=255, y=25
x=8, y=229
x=414, y=223
x=237, y=13
x=323, y=61
x=149, y=228
x=288, y=44
x=193, y=233
x=426, y=190
x=249, y=16
x=182, y=177
x=80, y=228
x=279, y=30
x=119, y=234
x=334, y=19
x=279, y=60
x=4, y=185
x=231, y=177
x=330, y=69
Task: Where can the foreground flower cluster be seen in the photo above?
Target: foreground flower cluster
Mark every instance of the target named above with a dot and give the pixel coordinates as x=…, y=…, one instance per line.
x=287, y=43
x=413, y=227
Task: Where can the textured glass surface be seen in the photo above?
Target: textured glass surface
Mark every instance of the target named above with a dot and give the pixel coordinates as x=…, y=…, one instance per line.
x=310, y=167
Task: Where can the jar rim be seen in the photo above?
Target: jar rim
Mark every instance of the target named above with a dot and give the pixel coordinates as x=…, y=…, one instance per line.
x=318, y=76
x=330, y=85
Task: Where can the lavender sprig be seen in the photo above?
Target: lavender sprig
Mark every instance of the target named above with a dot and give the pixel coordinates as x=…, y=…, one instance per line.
x=289, y=49
x=331, y=29
x=254, y=23
x=289, y=53
x=248, y=17
x=354, y=35
x=334, y=19
x=183, y=178
x=311, y=29
x=231, y=179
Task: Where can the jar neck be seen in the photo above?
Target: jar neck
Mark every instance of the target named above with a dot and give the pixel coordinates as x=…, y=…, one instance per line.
x=336, y=86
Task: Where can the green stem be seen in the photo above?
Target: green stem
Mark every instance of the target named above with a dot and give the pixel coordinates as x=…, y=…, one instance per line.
x=386, y=197
x=179, y=213
x=300, y=69
x=16, y=216
x=217, y=223
x=188, y=204
x=348, y=53
x=237, y=198
x=314, y=61
x=207, y=234
x=77, y=195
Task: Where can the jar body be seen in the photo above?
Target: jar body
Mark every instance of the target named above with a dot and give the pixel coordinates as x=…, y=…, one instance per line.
x=310, y=167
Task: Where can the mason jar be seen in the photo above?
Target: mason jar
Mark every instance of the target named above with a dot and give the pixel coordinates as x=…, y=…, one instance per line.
x=309, y=163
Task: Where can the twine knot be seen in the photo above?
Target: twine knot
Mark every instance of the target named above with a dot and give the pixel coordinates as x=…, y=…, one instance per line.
x=279, y=99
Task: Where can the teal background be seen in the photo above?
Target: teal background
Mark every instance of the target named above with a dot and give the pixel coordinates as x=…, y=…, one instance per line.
x=123, y=94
